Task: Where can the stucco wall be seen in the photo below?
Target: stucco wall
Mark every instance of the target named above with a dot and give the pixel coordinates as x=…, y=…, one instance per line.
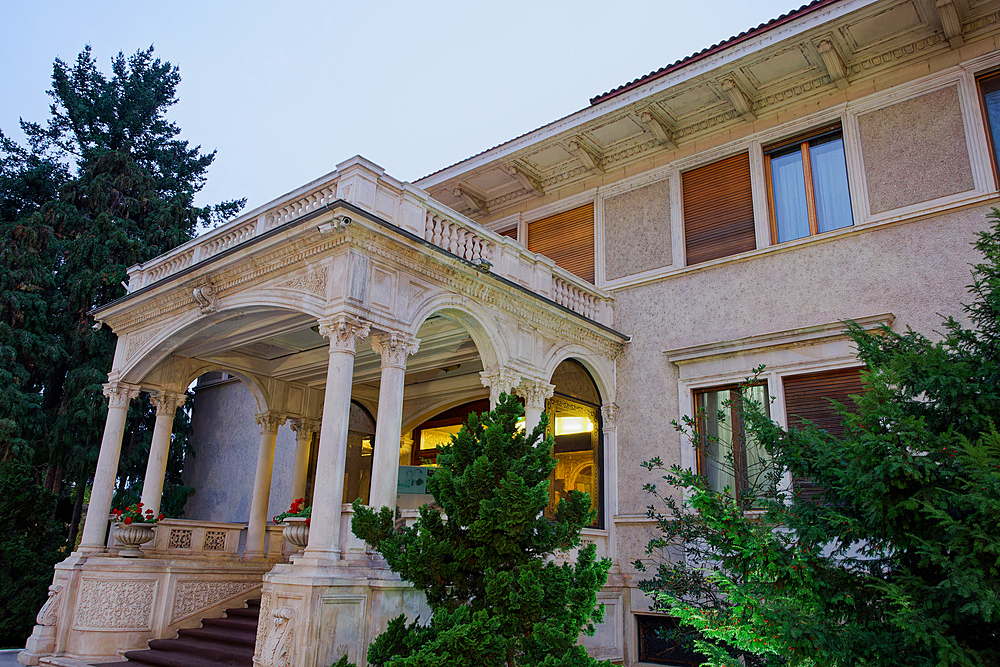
x=225, y=440
x=913, y=270
x=915, y=151
x=637, y=230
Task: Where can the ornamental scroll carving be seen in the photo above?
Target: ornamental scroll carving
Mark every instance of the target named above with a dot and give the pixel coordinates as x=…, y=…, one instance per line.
x=278, y=644
x=500, y=381
x=195, y=596
x=313, y=282
x=262, y=627
x=115, y=604
x=49, y=613
x=344, y=332
x=394, y=348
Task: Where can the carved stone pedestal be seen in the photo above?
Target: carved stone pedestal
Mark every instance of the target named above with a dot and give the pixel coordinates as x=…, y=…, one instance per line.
x=311, y=615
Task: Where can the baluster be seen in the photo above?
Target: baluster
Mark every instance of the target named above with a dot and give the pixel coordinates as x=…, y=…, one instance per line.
x=453, y=239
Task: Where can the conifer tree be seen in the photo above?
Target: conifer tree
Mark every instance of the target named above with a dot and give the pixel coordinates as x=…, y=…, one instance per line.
x=899, y=564
x=483, y=555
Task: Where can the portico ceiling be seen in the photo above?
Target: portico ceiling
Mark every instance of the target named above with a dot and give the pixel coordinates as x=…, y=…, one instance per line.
x=287, y=346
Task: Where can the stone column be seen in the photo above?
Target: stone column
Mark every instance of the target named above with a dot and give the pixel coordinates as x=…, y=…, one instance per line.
x=304, y=429
x=269, y=423
x=500, y=380
x=534, y=393
x=609, y=484
x=331, y=459
x=156, y=466
x=394, y=349
x=119, y=396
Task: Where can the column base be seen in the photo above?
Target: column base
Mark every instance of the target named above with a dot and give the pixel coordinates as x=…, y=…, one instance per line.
x=40, y=644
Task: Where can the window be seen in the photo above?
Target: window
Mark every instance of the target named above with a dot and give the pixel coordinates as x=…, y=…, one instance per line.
x=438, y=430
x=567, y=239
x=727, y=455
x=574, y=423
x=662, y=641
x=718, y=210
x=807, y=397
x=989, y=88
x=808, y=191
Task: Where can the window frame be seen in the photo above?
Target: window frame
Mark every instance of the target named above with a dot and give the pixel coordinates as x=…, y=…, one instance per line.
x=741, y=476
x=990, y=76
x=784, y=147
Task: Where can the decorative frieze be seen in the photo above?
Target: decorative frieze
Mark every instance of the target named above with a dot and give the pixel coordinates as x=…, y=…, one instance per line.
x=137, y=340
x=119, y=604
x=313, y=282
x=193, y=597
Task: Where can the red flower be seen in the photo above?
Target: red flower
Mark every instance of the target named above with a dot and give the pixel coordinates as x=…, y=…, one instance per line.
x=307, y=521
x=149, y=512
x=128, y=520
x=159, y=518
x=138, y=506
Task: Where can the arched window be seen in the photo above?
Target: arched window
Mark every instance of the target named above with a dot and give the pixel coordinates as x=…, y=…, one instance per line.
x=360, y=447
x=438, y=430
x=574, y=421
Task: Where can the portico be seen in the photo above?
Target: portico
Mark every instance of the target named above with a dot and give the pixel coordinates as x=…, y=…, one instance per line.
x=357, y=292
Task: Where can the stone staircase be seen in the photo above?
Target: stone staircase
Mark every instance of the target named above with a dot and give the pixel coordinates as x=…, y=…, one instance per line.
x=219, y=642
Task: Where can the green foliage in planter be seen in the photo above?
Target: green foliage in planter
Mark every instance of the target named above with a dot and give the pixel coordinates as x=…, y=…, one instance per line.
x=899, y=564
x=482, y=554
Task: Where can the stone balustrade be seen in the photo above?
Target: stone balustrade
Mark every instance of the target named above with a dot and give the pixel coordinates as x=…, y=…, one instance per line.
x=365, y=186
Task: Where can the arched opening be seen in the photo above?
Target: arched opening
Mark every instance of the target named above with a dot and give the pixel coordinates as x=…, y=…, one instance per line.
x=360, y=456
x=437, y=431
x=575, y=422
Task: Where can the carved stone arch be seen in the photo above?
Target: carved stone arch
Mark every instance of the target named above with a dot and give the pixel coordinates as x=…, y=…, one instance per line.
x=270, y=297
x=184, y=327
x=476, y=320
x=601, y=370
x=252, y=382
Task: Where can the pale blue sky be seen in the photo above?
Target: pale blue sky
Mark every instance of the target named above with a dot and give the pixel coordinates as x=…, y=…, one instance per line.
x=285, y=91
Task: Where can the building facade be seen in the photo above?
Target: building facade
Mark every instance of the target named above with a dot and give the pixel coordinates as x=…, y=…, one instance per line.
x=616, y=268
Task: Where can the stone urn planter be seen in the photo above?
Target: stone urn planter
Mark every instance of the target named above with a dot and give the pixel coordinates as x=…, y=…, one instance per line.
x=296, y=531
x=134, y=535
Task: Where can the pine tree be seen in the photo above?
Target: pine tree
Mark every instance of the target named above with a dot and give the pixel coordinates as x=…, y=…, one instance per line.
x=899, y=565
x=483, y=555
x=104, y=184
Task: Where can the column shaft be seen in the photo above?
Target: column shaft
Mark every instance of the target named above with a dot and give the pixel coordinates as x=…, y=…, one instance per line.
x=394, y=347
x=119, y=395
x=159, y=449
x=331, y=459
x=304, y=430
x=257, y=526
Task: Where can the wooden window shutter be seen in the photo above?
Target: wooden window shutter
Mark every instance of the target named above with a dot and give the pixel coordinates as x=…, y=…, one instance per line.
x=718, y=210
x=808, y=397
x=566, y=238
x=510, y=233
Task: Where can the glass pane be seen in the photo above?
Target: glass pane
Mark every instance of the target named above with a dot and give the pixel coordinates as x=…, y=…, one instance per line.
x=788, y=186
x=829, y=172
x=715, y=431
x=432, y=438
x=992, y=100
x=358, y=474
x=757, y=460
x=575, y=429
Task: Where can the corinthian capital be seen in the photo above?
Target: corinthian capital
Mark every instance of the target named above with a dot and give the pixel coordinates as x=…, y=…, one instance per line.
x=500, y=381
x=395, y=348
x=535, y=392
x=120, y=394
x=269, y=422
x=167, y=402
x=344, y=332
x=304, y=428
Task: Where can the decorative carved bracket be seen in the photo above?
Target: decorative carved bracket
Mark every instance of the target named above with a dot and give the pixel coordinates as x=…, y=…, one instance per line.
x=48, y=615
x=587, y=154
x=206, y=298
x=833, y=62
x=526, y=177
x=278, y=642
x=738, y=99
x=658, y=126
x=610, y=414
x=473, y=197
x=951, y=22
